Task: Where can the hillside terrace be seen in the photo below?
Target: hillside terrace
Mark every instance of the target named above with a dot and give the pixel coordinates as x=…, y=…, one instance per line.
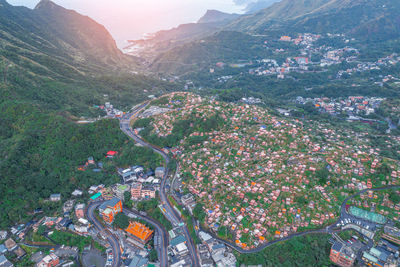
x=262, y=177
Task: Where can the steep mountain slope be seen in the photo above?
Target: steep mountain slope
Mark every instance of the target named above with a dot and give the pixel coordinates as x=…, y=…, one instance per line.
x=196, y=55
x=357, y=17
x=213, y=21
x=80, y=33
x=215, y=15
x=372, y=22
x=60, y=59
x=55, y=65
x=253, y=7
x=52, y=33
x=284, y=10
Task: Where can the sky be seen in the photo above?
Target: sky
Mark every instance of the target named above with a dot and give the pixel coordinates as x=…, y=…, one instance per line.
x=130, y=19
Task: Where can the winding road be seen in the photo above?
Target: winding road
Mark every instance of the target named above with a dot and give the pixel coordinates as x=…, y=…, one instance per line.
x=170, y=212
x=175, y=218
x=330, y=229
x=162, y=233
x=112, y=240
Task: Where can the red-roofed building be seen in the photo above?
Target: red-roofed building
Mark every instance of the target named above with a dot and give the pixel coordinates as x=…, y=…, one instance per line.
x=111, y=154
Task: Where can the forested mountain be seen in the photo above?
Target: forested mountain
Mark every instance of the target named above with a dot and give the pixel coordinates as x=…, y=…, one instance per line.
x=215, y=15
x=195, y=55
x=81, y=34
x=362, y=18
x=50, y=33
x=64, y=61
x=55, y=65
x=253, y=7
x=211, y=22
x=374, y=22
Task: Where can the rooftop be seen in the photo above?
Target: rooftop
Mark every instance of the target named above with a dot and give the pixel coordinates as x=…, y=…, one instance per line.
x=139, y=231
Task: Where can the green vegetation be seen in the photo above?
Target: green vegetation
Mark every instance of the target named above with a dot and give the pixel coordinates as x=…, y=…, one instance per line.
x=151, y=208
x=121, y=221
x=181, y=129
x=153, y=255
x=133, y=154
x=189, y=223
x=69, y=239
x=310, y=250
x=42, y=151
x=199, y=213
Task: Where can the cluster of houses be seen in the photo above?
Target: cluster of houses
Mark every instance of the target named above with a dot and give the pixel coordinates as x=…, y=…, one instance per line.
x=327, y=56
x=271, y=67
x=258, y=177
x=378, y=202
x=214, y=253
x=301, y=63
x=111, y=111
x=141, y=184
x=304, y=39
x=355, y=252
x=384, y=62
x=10, y=249
x=359, y=105
x=71, y=220
x=91, y=163
x=211, y=252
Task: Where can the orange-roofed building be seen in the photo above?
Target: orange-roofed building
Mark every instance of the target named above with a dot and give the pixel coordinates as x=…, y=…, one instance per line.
x=110, y=209
x=139, y=231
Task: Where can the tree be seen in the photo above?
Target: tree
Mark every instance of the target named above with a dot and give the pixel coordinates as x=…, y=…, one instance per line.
x=394, y=196
x=322, y=175
x=121, y=221
x=41, y=230
x=199, y=213
x=153, y=255
x=127, y=196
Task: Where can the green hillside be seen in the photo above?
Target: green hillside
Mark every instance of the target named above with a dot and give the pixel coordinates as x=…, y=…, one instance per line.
x=55, y=65
x=372, y=23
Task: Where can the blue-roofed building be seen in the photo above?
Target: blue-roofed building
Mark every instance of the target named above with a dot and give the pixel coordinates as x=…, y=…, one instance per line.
x=55, y=197
x=337, y=246
x=138, y=261
x=218, y=246
x=3, y=249
x=95, y=196
x=127, y=174
x=110, y=203
x=391, y=247
x=177, y=240
x=110, y=209
x=4, y=262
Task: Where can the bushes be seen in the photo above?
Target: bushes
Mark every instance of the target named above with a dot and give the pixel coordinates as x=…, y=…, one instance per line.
x=69, y=239
x=310, y=250
x=121, y=221
x=151, y=208
x=182, y=129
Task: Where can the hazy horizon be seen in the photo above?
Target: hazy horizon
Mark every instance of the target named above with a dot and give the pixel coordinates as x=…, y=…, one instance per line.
x=131, y=19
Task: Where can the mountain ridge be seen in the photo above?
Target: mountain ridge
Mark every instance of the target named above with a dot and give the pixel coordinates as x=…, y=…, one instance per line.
x=213, y=15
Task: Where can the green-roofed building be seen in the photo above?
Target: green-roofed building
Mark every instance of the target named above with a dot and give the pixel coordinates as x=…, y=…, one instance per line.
x=369, y=258
x=95, y=196
x=367, y=215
